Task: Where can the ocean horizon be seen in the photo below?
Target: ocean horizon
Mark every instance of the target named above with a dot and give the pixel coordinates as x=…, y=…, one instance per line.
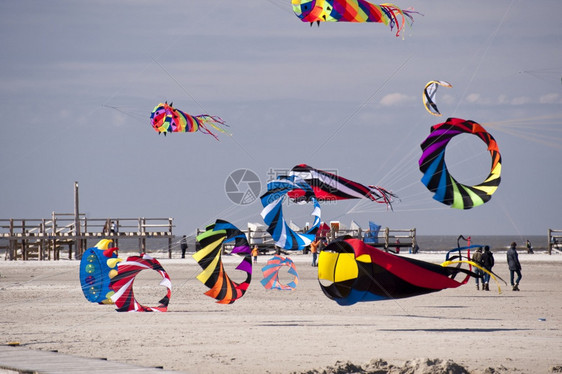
x=427, y=243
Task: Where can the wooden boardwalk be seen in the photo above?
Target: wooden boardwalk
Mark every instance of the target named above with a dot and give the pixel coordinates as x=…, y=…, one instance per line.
x=24, y=360
x=45, y=239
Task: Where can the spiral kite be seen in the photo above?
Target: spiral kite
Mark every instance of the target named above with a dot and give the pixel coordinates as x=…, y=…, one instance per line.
x=222, y=288
x=122, y=284
x=436, y=177
x=272, y=213
x=271, y=273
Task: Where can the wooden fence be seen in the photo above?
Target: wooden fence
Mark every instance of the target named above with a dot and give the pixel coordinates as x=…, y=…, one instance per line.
x=45, y=239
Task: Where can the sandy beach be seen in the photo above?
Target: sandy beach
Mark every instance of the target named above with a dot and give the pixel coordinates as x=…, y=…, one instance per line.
x=269, y=331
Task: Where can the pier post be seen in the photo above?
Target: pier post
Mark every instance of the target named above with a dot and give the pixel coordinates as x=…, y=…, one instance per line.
x=78, y=253
x=170, y=220
x=143, y=234
x=12, y=249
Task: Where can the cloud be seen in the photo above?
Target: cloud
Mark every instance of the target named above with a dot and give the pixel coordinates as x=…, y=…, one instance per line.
x=476, y=98
x=395, y=99
x=503, y=99
x=551, y=98
x=447, y=99
x=521, y=100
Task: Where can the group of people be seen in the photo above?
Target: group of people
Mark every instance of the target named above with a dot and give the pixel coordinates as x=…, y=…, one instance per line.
x=485, y=260
x=110, y=227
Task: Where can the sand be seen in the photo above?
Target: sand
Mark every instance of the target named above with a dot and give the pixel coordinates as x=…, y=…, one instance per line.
x=298, y=331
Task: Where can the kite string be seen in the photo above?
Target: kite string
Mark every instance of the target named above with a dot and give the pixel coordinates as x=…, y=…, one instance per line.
x=491, y=39
x=179, y=84
x=488, y=45
x=354, y=113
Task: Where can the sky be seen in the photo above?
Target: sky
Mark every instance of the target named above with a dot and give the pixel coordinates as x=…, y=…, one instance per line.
x=79, y=80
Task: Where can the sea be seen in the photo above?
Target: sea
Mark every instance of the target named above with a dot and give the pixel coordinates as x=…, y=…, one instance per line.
x=497, y=243
x=427, y=243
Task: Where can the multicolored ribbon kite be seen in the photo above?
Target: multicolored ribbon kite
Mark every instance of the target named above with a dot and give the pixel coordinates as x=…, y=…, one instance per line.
x=429, y=93
x=271, y=273
x=165, y=118
x=222, y=288
x=350, y=271
x=122, y=284
x=329, y=186
x=272, y=213
x=436, y=177
x=97, y=266
x=352, y=11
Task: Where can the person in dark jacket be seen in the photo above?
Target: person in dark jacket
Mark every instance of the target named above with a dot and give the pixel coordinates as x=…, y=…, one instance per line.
x=514, y=266
x=183, y=246
x=477, y=258
x=488, y=264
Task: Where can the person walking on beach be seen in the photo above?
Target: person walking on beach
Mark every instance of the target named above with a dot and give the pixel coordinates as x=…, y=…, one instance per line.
x=529, y=247
x=255, y=254
x=514, y=266
x=488, y=264
x=314, y=250
x=183, y=246
x=477, y=259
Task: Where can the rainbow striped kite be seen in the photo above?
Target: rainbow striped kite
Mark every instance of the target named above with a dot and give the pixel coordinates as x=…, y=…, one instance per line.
x=352, y=11
x=221, y=287
x=165, y=118
x=437, y=178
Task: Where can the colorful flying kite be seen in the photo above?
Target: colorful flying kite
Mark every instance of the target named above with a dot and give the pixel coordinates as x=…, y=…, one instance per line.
x=436, y=177
x=272, y=213
x=429, y=93
x=165, y=118
x=350, y=271
x=271, y=273
x=329, y=187
x=97, y=266
x=351, y=11
x=222, y=288
x=122, y=284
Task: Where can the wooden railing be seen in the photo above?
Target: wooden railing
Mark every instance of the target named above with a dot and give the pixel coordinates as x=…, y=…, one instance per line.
x=44, y=238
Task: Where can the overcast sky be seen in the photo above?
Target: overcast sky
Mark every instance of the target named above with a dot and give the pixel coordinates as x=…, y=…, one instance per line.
x=80, y=78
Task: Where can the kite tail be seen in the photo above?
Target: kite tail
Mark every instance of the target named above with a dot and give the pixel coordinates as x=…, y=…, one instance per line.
x=215, y=122
x=494, y=276
x=381, y=195
x=392, y=12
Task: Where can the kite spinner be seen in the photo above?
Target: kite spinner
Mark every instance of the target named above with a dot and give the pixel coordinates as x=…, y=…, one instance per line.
x=222, y=288
x=122, y=284
x=97, y=266
x=271, y=273
x=437, y=178
x=272, y=213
